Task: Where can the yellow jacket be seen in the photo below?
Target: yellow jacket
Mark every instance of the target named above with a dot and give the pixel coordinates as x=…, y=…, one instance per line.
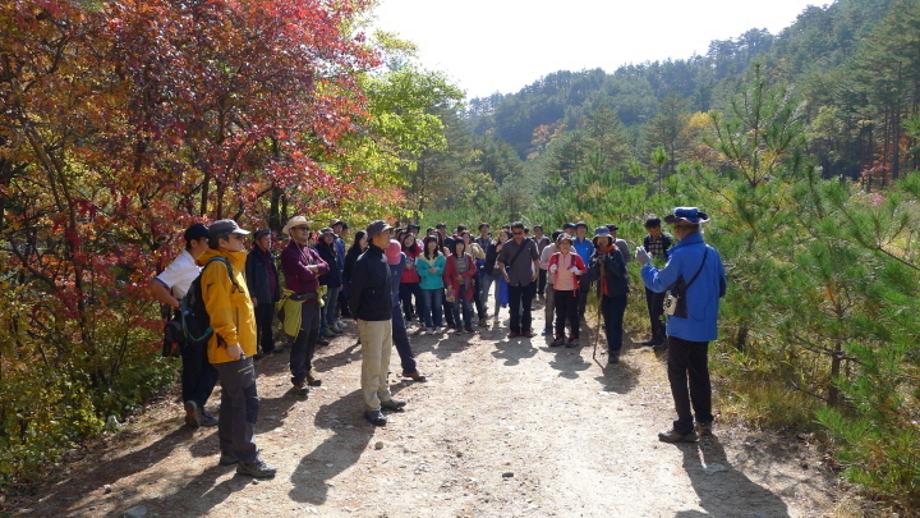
x=229, y=306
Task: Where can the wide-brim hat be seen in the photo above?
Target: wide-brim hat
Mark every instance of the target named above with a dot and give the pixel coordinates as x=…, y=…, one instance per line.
x=600, y=232
x=690, y=215
x=296, y=221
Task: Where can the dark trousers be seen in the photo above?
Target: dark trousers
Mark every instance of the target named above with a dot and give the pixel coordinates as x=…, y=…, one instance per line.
x=406, y=292
x=239, y=409
x=448, y=313
x=566, y=303
x=520, y=298
x=688, y=359
x=265, y=314
x=477, y=297
x=401, y=341
x=462, y=310
x=613, y=309
x=655, y=312
x=582, y=300
x=198, y=376
x=305, y=344
x=541, y=283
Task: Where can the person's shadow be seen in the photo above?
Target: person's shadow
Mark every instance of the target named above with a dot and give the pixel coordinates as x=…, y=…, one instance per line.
x=568, y=362
x=720, y=487
x=514, y=351
x=336, y=453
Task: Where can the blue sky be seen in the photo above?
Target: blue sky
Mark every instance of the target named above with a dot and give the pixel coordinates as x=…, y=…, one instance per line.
x=489, y=46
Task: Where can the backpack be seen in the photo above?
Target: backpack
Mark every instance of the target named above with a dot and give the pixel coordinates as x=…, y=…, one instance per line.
x=193, y=325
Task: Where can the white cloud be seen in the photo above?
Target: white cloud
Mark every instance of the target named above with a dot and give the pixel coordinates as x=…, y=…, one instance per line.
x=503, y=45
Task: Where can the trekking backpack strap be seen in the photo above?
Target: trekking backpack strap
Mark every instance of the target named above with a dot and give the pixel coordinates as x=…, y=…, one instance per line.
x=700, y=269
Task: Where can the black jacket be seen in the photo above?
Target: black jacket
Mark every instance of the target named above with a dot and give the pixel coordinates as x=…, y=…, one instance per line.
x=369, y=295
x=614, y=273
x=350, y=259
x=257, y=277
x=333, y=279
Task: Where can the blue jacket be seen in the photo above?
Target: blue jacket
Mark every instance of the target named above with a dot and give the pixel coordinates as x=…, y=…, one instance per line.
x=684, y=260
x=431, y=281
x=584, y=248
x=340, y=252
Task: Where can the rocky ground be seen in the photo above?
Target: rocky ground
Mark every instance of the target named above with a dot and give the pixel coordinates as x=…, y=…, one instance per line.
x=502, y=428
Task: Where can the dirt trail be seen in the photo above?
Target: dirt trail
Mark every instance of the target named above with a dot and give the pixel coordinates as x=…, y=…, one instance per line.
x=502, y=428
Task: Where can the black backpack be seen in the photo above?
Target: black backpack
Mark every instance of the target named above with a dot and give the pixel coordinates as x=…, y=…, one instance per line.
x=192, y=324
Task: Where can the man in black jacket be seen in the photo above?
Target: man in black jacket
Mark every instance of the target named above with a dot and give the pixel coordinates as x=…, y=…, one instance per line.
x=262, y=282
x=656, y=244
x=372, y=308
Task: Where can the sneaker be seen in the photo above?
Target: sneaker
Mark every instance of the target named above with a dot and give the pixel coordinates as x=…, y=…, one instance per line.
x=673, y=436
x=704, y=429
x=313, y=382
x=558, y=342
x=573, y=343
x=329, y=333
x=470, y=331
x=339, y=326
x=483, y=322
x=546, y=332
x=393, y=405
x=257, y=469
x=322, y=342
x=208, y=419
x=227, y=459
x=613, y=357
x=300, y=388
x=375, y=417
x=528, y=334
x=192, y=414
x=513, y=334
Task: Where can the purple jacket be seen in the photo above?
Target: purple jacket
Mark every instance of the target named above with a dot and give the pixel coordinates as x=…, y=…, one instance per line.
x=294, y=262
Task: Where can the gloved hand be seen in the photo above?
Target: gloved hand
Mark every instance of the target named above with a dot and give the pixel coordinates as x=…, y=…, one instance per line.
x=642, y=256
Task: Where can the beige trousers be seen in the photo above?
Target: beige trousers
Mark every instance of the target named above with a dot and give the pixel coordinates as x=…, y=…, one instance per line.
x=376, y=347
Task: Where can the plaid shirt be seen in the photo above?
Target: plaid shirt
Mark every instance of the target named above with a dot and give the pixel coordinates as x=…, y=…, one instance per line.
x=657, y=248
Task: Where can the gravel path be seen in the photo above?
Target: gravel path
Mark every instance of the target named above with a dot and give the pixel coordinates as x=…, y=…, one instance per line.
x=502, y=428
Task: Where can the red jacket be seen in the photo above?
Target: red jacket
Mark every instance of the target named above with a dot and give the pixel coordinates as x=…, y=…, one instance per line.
x=450, y=276
x=410, y=275
x=577, y=262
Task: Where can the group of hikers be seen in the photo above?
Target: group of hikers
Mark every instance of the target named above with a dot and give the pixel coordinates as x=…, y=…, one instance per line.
x=391, y=279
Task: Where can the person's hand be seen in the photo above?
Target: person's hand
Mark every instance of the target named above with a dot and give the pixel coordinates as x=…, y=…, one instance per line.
x=642, y=256
x=255, y=301
x=235, y=351
x=506, y=277
x=574, y=270
x=554, y=268
x=175, y=303
x=460, y=278
x=432, y=270
x=535, y=276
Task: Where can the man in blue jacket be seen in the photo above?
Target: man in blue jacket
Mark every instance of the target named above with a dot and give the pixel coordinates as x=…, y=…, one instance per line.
x=695, y=273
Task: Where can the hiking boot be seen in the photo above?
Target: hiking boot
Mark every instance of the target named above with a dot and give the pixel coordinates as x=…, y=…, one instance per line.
x=513, y=334
x=208, y=419
x=322, y=342
x=329, y=333
x=375, y=417
x=257, y=469
x=313, y=382
x=704, y=429
x=674, y=436
x=300, y=388
x=613, y=357
x=573, y=343
x=528, y=334
x=227, y=459
x=339, y=326
x=394, y=405
x=558, y=342
x=483, y=322
x=415, y=376
x=192, y=414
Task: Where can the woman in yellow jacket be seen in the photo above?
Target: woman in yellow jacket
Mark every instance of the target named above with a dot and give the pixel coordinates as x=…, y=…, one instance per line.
x=232, y=345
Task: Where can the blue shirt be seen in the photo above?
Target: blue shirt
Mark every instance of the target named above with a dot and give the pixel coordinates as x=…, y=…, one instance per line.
x=585, y=249
x=703, y=296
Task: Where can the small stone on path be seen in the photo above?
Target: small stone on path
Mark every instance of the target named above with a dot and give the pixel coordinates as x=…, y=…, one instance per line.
x=508, y=474
x=379, y=445
x=138, y=511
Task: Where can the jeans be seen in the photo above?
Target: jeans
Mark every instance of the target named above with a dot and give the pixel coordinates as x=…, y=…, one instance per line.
x=566, y=309
x=376, y=347
x=478, y=301
x=406, y=292
x=688, y=359
x=549, y=307
x=655, y=312
x=239, y=409
x=521, y=302
x=198, y=375
x=485, y=285
x=431, y=307
x=330, y=310
x=305, y=344
x=613, y=309
x=463, y=307
x=401, y=341
x=265, y=315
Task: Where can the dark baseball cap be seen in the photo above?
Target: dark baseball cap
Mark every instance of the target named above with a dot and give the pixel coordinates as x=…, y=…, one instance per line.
x=376, y=228
x=196, y=231
x=224, y=227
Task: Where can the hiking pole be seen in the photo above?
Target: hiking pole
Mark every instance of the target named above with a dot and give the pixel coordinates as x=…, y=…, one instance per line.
x=597, y=332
